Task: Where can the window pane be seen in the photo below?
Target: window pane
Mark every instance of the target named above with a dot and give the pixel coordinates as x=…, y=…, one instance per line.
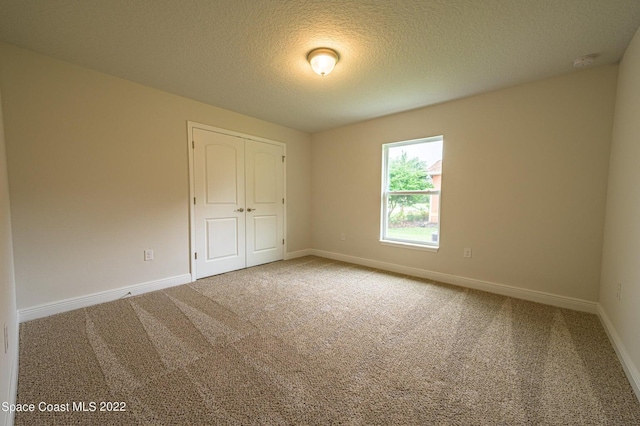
x=413, y=218
x=413, y=167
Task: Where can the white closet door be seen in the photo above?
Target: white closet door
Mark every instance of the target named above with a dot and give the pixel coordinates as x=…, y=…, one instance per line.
x=219, y=206
x=264, y=202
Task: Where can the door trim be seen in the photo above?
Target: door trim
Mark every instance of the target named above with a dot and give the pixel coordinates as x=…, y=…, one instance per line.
x=192, y=214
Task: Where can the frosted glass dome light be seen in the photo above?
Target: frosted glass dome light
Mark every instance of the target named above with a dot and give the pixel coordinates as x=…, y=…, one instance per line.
x=322, y=60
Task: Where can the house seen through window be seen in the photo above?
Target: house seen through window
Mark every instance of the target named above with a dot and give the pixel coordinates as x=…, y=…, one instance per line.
x=411, y=191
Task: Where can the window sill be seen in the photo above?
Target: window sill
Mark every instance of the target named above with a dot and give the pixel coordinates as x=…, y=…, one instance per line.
x=433, y=249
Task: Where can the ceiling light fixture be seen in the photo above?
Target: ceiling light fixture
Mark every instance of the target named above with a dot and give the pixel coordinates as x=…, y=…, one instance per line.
x=322, y=60
x=585, y=61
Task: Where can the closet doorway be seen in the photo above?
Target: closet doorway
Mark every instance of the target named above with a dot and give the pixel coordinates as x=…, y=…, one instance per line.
x=237, y=200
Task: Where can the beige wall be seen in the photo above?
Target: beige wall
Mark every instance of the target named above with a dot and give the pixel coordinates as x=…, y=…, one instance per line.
x=621, y=253
x=524, y=181
x=98, y=172
x=8, y=313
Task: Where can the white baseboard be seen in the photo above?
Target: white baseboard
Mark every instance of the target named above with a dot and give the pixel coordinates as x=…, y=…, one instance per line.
x=503, y=289
x=13, y=385
x=7, y=418
x=47, y=309
x=297, y=254
x=630, y=369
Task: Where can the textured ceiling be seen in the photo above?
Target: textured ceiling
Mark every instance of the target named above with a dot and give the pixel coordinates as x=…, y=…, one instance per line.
x=249, y=56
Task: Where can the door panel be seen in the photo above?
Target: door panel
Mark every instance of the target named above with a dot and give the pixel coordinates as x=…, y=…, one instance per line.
x=265, y=208
x=222, y=238
x=265, y=185
x=220, y=193
x=265, y=232
x=222, y=174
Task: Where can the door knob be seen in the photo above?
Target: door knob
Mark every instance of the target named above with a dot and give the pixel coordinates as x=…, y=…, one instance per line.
x=250, y=209
x=239, y=210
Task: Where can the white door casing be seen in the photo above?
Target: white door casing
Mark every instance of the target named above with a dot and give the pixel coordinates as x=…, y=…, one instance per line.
x=238, y=215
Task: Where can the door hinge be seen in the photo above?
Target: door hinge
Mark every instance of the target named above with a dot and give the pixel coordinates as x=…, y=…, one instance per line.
x=196, y=255
x=283, y=241
x=194, y=200
x=193, y=144
x=283, y=158
x=283, y=201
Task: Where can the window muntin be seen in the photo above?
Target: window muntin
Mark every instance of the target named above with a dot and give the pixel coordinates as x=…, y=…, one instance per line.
x=411, y=192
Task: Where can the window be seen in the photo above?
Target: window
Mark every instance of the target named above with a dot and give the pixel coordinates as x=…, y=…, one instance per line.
x=411, y=182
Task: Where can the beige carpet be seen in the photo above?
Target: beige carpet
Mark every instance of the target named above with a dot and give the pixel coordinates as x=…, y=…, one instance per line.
x=314, y=342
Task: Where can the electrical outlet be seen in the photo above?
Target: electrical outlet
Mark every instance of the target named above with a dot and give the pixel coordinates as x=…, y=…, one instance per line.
x=343, y=237
x=148, y=255
x=467, y=253
x=6, y=338
x=618, y=291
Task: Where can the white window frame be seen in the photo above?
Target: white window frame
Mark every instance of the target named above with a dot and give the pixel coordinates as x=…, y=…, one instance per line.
x=411, y=244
